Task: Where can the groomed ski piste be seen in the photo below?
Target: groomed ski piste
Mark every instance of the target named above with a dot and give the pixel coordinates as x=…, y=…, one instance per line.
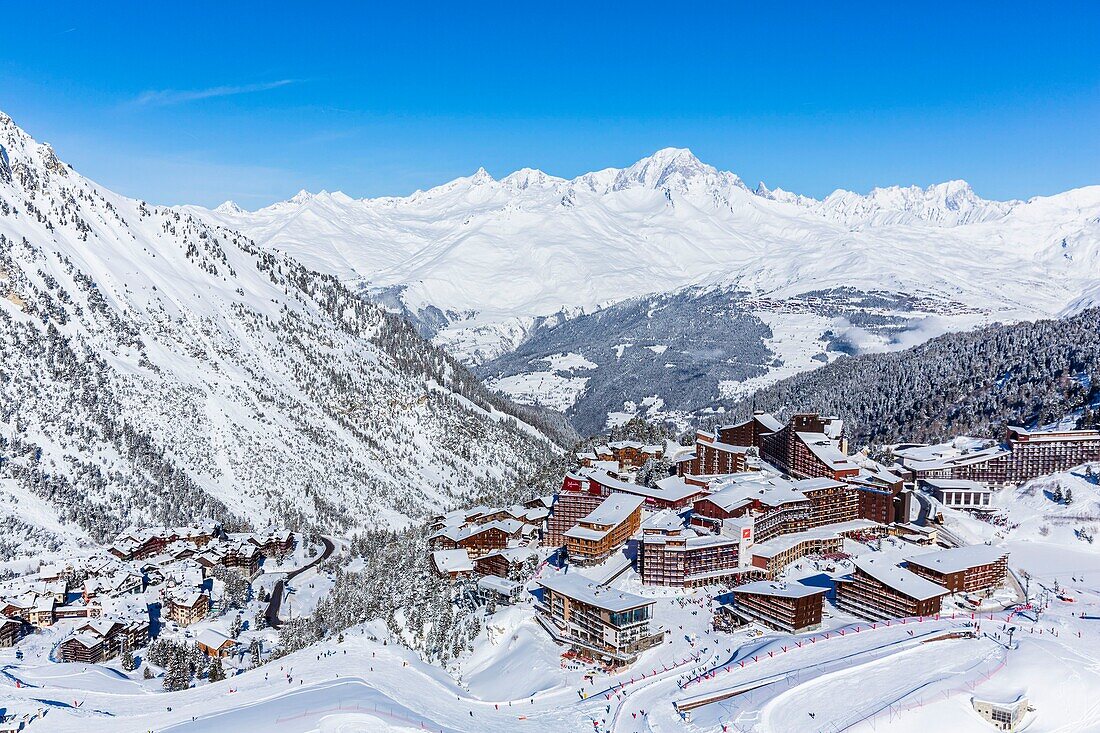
x=904, y=675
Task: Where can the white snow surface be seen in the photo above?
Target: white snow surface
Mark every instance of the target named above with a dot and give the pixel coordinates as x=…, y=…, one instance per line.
x=495, y=253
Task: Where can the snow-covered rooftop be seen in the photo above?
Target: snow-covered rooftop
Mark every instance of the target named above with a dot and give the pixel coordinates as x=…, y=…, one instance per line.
x=778, y=589
x=957, y=559
x=899, y=579
x=581, y=589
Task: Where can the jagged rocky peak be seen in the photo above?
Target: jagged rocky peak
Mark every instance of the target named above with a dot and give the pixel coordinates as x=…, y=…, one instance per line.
x=481, y=176
x=229, y=207
x=942, y=204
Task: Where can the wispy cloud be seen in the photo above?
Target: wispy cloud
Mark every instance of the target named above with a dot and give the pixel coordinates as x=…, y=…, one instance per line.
x=163, y=97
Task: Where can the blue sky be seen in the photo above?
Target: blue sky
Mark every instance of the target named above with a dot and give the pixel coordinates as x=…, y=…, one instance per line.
x=199, y=102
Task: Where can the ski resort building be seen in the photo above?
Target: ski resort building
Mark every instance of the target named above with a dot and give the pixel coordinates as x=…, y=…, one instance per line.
x=825, y=541
x=713, y=457
x=82, y=648
x=11, y=631
x=969, y=569
x=959, y=493
x=605, y=529
x=493, y=588
x=685, y=559
x=584, y=490
x=612, y=625
x=808, y=446
x=878, y=589
x=507, y=562
x=790, y=607
x=1024, y=455
x=879, y=492
x=478, y=539
x=187, y=609
x=453, y=564
x=778, y=506
x=1008, y=716
x=138, y=544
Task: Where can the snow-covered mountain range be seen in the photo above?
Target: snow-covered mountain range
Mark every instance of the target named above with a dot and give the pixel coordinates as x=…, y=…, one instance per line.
x=486, y=266
x=158, y=369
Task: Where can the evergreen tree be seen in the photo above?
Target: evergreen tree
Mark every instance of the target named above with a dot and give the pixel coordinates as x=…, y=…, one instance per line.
x=217, y=672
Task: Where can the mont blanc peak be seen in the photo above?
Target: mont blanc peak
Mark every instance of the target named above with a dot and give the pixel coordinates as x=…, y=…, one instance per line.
x=526, y=178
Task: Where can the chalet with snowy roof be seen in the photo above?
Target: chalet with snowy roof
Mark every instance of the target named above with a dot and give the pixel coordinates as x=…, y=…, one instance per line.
x=58, y=589
x=790, y=607
x=214, y=643
x=117, y=584
x=625, y=455
x=78, y=611
x=138, y=544
x=495, y=589
x=478, y=539
x=11, y=631
x=968, y=569
x=879, y=589
x=273, y=542
x=18, y=608
x=82, y=648
x=187, y=608
x=453, y=564
x=40, y=614
x=611, y=625
x=606, y=528
x=243, y=557
x=506, y=563
x=110, y=633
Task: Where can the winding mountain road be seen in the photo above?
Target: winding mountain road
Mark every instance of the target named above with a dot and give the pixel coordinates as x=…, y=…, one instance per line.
x=276, y=602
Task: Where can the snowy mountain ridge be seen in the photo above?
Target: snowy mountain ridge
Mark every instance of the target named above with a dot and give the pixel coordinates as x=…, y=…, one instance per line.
x=162, y=370
x=485, y=266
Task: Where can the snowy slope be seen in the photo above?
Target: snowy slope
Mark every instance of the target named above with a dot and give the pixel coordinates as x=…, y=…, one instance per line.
x=158, y=369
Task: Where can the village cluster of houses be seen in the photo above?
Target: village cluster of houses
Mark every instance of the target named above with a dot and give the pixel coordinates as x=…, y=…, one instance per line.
x=490, y=546
x=107, y=593
x=740, y=506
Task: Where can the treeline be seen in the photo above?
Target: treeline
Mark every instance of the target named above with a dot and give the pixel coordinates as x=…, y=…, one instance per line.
x=975, y=383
